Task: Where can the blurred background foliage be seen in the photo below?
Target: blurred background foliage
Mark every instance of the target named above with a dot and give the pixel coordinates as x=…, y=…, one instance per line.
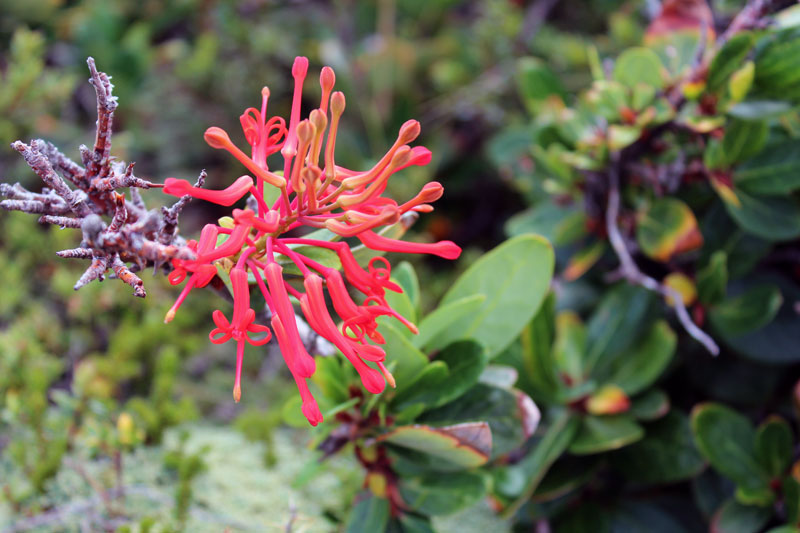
x=110, y=420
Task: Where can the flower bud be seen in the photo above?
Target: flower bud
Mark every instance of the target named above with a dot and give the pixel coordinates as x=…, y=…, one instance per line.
x=300, y=67
x=409, y=131
x=217, y=138
x=305, y=131
x=327, y=79
x=318, y=120
x=337, y=103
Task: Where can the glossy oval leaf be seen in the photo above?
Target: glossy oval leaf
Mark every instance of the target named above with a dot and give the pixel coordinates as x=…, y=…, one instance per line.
x=639, y=65
x=666, y=454
x=729, y=59
x=746, y=312
x=442, y=317
x=734, y=517
x=422, y=390
x=743, y=139
x=636, y=370
x=771, y=218
x=370, y=513
x=774, y=171
x=508, y=413
x=650, y=406
x=405, y=359
x=467, y=445
x=727, y=440
x=443, y=494
x=466, y=361
x=599, y=434
x=558, y=436
x=774, y=445
x=712, y=279
x=515, y=278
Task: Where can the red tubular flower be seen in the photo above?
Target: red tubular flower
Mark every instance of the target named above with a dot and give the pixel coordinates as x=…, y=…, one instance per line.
x=202, y=273
x=444, y=249
x=240, y=325
x=310, y=408
x=227, y=197
x=303, y=363
x=313, y=193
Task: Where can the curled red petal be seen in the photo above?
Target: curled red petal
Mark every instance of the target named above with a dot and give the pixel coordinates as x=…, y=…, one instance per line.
x=216, y=339
x=219, y=319
x=227, y=196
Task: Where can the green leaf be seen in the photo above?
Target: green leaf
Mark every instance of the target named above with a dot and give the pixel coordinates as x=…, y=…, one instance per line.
x=439, y=495
x=771, y=218
x=743, y=139
x=617, y=321
x=727, y=440
x=775, y=171
x=330, y=377
x=774, y=444
x=465, y=445
x=424, y=389
x=666, y=454
x=547, y=450
x=431, y=327
x=651, y=405
x=779, y=341
x=369, y=514
x=566, y=475
x=619, y=136
x=734, y=517
x=515, y=278
x=407, y=360
x=741, y=81
x=558, y=224
x=728, y=60
x=791, y=499
x=712, y=279
x=569, y=349
x=454, y=372
x=749, y=311
x=400, y=302
x=636, y=370
x=512, y=416
x=639, y=65
x=466, y=361
x=537, y=355
x=406, y=277
x=778, y=64
x=668, y=227
x=536, y=82
x=292, y=414
x=599, y=434
x=415, y=524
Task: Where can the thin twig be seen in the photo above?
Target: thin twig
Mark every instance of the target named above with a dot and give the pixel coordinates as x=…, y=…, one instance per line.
x=630, y=271
x=535, y=16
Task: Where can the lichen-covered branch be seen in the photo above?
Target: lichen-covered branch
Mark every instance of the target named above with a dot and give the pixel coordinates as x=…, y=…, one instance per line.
x=119, y=232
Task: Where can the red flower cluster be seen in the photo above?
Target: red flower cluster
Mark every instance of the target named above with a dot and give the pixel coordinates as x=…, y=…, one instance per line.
x=314, y=193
